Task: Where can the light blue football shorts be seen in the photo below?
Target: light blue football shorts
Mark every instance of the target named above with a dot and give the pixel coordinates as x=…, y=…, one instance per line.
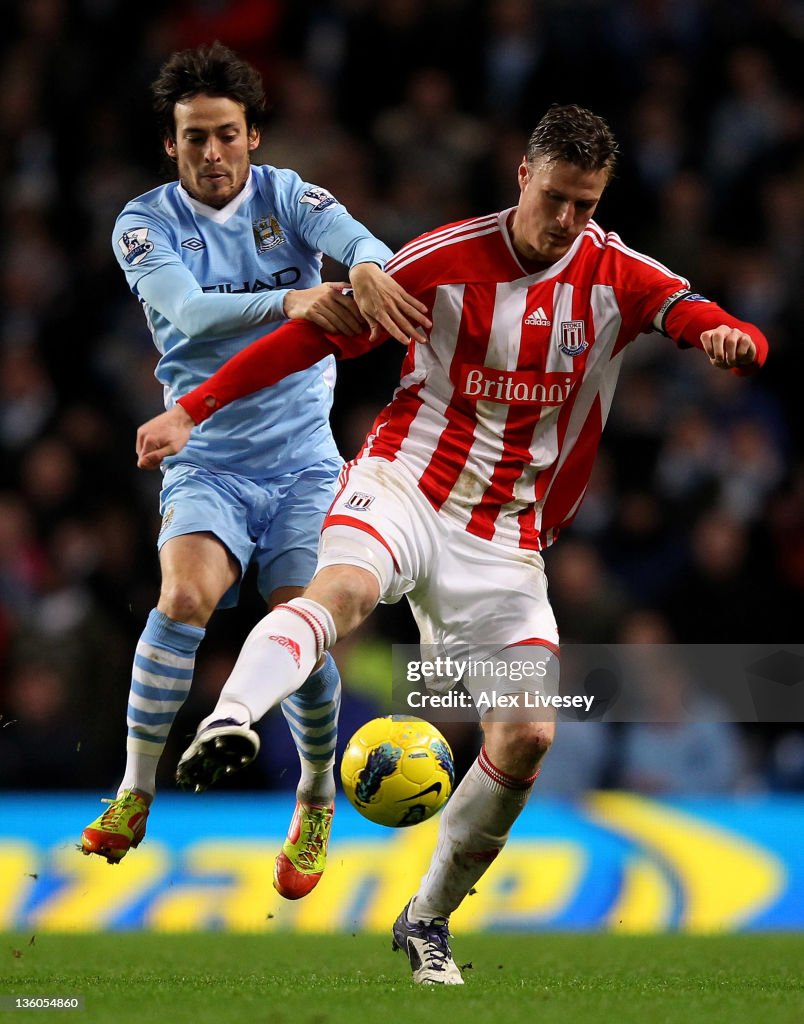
x=273, y=523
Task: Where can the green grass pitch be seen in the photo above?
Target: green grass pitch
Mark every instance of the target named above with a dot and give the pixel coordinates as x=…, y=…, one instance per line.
x=143, y=978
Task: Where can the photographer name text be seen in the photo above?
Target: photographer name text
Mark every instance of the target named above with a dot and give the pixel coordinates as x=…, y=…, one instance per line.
x=490, y=699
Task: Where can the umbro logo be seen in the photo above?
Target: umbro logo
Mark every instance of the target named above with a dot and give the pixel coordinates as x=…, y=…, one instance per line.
x=538, y=318
x=193, y=243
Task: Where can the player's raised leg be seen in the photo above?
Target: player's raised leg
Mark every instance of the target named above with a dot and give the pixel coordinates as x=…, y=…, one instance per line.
x=274, y=663
x=277, y=657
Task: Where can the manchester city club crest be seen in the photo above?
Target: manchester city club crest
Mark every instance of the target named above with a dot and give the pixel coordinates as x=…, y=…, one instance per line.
x=572, y=340
x=267, y=233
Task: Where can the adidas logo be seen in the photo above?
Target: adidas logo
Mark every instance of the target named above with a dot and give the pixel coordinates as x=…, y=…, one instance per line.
x=538, y=318
x=290, y=646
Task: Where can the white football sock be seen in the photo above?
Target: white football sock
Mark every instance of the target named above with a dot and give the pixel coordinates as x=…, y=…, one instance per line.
x=140, y=773
x=474, y=828
x=277, y=657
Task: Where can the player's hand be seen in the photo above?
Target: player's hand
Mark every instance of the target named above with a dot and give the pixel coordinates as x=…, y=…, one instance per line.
x=386, y=306
x=164, y=435
x=728, y=347
x=326, y=306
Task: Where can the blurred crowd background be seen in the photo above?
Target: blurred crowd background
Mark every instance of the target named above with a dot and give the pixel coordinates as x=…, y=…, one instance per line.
x=414, y=113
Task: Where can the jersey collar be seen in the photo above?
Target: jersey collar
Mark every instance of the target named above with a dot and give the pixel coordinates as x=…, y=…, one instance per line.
x=548, y=272
x=226, y=212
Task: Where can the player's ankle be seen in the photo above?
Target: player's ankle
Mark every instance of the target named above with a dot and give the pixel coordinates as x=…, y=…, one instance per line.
x=419, y=911
x=229, y=709
x=317, y=796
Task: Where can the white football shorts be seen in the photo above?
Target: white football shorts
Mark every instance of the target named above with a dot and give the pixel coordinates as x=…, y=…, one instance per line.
x=466, y=593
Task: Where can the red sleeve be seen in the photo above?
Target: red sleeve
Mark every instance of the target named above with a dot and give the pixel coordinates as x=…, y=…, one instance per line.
x=687, y=319
x=292, y=347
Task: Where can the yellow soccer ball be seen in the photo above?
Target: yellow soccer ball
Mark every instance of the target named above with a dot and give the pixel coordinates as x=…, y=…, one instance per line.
x=397, y=771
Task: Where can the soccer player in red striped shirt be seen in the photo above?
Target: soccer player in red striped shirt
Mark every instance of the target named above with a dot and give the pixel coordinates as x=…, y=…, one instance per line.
x=480, y=459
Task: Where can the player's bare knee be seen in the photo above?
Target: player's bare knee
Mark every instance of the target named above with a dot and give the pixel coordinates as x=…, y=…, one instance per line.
x=351, y=605
x=532, y=739
x=185, y=602
x=518, y=746
x=349, y=594
x=539, y=738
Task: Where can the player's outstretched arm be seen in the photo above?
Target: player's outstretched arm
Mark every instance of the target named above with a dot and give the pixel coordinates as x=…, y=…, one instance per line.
x=387, y=307
x=164, y=435
x=293, y=347
x=730, y=344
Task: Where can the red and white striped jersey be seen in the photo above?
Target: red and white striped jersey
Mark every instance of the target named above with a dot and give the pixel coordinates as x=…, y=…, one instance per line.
x=499, y=418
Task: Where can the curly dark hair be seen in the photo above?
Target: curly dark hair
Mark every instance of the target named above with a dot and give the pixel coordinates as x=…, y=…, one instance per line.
x=215, y=70
x=575, y=135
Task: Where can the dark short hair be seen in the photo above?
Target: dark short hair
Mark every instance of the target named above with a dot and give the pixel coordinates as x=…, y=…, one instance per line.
x=575, y=135
x=215, y=70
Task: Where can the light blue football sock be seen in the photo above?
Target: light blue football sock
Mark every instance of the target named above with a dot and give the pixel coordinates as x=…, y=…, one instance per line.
x=160, y=682
x=312, y=715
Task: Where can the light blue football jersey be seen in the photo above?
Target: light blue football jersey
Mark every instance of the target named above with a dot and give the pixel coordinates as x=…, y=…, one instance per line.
x=211, y=281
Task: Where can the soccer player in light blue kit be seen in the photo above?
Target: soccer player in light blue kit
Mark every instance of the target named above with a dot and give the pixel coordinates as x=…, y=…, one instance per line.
x=215, y=257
